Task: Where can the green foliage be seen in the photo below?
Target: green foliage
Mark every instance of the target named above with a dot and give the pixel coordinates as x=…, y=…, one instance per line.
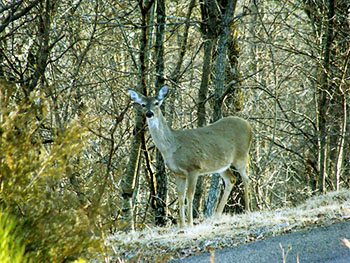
x=12, y=249
x=57, y=226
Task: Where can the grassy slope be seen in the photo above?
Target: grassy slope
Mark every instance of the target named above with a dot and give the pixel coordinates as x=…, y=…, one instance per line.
x=161, y=244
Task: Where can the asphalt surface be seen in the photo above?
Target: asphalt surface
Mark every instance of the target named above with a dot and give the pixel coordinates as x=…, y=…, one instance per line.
x=321, y=245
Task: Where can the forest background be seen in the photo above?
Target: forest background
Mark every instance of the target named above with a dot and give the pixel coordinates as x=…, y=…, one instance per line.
x=76, y=160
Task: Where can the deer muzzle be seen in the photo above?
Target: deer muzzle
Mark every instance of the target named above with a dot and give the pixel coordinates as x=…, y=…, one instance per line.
x=149, y=114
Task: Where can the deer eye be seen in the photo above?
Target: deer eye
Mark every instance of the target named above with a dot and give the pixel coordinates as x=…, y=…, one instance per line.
x=156, y=103
x=143, y=105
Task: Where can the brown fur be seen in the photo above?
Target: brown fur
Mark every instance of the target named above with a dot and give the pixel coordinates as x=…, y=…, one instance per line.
x=189, y=153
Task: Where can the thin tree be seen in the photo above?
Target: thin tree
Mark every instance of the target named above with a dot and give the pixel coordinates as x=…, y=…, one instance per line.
x=128, y=181
x=226, y=12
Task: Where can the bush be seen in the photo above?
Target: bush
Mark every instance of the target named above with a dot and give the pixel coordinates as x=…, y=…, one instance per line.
x=57, y=226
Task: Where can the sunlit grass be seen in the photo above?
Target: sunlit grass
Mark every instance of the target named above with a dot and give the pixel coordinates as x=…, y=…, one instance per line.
x=12, y=249
x=229, y=230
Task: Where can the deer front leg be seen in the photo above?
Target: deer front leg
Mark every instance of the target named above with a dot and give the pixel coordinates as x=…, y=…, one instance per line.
x=181, y=187
x=192, y=182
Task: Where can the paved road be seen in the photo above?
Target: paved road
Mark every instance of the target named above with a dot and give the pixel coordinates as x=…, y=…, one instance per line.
x=322, y=245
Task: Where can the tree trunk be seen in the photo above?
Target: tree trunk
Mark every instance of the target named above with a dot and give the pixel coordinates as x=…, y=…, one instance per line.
x=42, y=54
x=175, y=75
x=323, y=105
x=322, y=19
x=234, y=103
x=340, y=147
x=225, y=27
x=343, y=51
x=128, y=181
x=201, y=112
x=161, y=176
x=329, y=20
x=209, y=36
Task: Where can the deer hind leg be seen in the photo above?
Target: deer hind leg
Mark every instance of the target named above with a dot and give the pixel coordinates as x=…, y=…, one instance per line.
x=246, y=182
x=229, y=180
x=181, y=188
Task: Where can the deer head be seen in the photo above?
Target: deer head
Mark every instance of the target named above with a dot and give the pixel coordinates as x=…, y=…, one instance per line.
x=150, y=105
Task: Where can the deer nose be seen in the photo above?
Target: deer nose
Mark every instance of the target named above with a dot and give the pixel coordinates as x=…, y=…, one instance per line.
x=149, y=114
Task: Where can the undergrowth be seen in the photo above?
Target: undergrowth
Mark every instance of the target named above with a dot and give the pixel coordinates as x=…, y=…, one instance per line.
x=55, y=225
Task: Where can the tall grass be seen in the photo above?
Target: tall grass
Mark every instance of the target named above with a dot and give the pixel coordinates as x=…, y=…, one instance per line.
x=12, y=248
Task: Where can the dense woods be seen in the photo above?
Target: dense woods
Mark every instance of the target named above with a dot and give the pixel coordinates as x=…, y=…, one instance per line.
x=76, y=159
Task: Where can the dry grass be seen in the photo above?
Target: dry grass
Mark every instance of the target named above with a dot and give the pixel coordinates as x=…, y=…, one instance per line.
x=161, y=244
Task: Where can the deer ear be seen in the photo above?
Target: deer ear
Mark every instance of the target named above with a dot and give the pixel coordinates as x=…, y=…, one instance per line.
x=135, y=96
x=163, y=92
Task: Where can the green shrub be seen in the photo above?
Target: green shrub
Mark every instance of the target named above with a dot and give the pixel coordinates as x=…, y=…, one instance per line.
x=57, y=225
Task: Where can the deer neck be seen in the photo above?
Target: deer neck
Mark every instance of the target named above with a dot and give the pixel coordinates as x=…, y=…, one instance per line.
x=161, y=132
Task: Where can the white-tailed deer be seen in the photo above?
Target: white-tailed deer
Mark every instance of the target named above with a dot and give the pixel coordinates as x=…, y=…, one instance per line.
x=189, y=153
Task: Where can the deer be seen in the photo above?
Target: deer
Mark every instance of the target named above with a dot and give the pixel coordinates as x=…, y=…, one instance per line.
x=188, y=153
